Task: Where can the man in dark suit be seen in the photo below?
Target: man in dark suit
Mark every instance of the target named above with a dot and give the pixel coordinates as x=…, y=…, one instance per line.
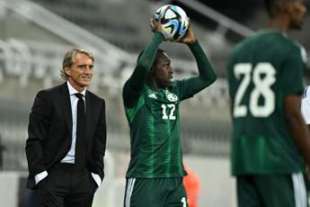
x=67, y=137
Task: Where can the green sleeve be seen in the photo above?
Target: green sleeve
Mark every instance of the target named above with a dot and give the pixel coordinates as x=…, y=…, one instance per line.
x=134, y=84
x=292, y=74
x=206, y=76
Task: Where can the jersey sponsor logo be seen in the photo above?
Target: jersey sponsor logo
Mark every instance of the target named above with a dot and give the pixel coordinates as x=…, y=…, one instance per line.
x=171, y=96
x=153, y=95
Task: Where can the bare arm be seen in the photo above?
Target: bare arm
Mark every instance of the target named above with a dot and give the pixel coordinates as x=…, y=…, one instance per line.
x=298, y=127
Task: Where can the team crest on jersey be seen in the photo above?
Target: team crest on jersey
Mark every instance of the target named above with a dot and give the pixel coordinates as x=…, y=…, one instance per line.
x=171, y=96
x=153, y=95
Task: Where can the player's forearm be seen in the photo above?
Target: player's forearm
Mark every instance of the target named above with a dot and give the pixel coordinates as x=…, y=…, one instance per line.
x=144, y=64
x=146, y=59
x=134, y=85
x=205, y=69
x=149, y=53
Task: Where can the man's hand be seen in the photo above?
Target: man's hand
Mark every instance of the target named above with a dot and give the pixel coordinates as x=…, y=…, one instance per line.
x=189, y=38
x=155, y=25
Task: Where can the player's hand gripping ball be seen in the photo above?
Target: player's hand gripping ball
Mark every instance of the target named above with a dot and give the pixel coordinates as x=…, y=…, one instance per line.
x=173, y=20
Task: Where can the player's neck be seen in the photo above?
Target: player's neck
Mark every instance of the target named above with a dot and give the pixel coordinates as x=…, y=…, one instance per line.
x=155, y=85
x=152, y=84
x=280, y=23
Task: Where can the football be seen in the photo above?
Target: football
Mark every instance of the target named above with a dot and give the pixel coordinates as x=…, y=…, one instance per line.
x=174, y=21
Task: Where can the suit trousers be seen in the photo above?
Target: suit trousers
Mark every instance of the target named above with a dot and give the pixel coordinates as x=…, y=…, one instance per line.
x=67, y=186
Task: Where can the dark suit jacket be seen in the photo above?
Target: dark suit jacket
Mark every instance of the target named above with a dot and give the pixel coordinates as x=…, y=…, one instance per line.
x=50, y=131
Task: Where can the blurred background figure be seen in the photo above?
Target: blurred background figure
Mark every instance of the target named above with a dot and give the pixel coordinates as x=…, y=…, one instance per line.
x=270, y=141
x=192, y=186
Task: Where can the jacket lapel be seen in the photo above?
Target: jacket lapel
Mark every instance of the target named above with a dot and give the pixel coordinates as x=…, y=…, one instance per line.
x=89, y=114
x=67, y=108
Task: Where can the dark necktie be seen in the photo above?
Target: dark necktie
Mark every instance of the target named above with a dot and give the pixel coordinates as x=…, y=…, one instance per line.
x=80, y=131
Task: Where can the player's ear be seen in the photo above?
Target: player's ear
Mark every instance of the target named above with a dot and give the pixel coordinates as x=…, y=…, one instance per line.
x=67, y=71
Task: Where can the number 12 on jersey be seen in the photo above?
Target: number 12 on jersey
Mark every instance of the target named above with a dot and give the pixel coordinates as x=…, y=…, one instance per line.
x=168, y=111
x=262, y=76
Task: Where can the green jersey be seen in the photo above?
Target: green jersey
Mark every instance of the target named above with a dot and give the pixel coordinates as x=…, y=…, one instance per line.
x=263, y=70
x=153, y=115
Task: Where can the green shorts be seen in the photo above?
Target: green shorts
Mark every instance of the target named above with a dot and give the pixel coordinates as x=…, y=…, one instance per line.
x=276, y=190
x=155, y=192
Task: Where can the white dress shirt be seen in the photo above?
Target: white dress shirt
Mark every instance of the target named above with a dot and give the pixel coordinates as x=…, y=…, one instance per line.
x=70, y=156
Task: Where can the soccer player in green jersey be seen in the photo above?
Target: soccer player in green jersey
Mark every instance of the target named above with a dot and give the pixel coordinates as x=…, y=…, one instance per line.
x=270, y=140
x=151, y=101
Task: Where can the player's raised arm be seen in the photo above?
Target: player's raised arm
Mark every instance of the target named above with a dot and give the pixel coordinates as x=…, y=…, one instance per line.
x=134, y=84
x=205, y=69
x=206, y=72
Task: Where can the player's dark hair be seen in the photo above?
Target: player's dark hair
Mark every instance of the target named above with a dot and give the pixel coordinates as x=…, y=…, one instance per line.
x=159, y=54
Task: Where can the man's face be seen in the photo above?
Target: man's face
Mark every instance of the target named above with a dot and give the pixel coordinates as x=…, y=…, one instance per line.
x=297, y=10
x=163, y=72
x=80, y=72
